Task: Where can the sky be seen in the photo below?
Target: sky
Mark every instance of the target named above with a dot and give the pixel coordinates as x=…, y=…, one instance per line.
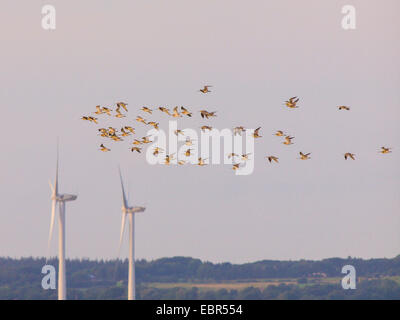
x=160, y=53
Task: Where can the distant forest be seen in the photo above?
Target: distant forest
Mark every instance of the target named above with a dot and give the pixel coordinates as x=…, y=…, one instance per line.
x=88, y=279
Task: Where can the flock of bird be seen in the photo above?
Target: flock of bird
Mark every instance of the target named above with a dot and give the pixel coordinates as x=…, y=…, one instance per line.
x=117, y=135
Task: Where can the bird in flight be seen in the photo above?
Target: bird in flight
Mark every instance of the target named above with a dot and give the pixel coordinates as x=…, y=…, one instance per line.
x=103, y=148
x=238, y=130
x=99, y=110
x=136, y=142
x=157, y=150
x=187, y=153
x=103, y=132
x=279, y=133
x=204, y=128
x=256, y=134
x=206, y=114
x=132, y=130
x=288, y=140
x=178, y=131
x=165, y=110
x=201, y=162
x=245, y=156
x=168, y=158
x=115, y=137
x=273, y=158
x=304, y=156
x=140, y=119
x=292, y=102
x=186, y=112
x=148, y=110
x=119, y=114
x=123, y=105
x=349, y=155
x=106, y=110
x=176, y=113
x=343, y=108
x=205, y=89
x=235, y=166
x=154, y=124
x=124, y=133
x=146, y=140
x=90, y=119
x=385, y=150
x=137, y=149
x=203, y=113
x=111, y=130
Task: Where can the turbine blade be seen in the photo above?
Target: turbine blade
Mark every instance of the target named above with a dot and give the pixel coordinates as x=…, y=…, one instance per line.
x=122, y=233
x=56, y=181
x=124, y=202
x=51, y=187
x=53, y=215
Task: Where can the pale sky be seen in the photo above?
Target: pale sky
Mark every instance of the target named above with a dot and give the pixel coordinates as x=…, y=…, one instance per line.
x=256, y=54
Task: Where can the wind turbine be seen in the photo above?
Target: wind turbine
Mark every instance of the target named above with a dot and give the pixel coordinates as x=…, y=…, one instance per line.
x=130, y=211
x=61, y=199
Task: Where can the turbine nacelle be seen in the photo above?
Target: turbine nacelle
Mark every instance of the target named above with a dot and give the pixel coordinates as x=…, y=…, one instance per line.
x=66, y=197
x=133, y=209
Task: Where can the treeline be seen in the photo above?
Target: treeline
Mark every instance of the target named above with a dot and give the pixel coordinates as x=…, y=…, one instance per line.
x=182, y=269
x=89, y=279
x=380, y=289
x=366, y=290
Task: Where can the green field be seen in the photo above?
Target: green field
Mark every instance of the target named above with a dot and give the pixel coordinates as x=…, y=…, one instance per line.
x=259, y=283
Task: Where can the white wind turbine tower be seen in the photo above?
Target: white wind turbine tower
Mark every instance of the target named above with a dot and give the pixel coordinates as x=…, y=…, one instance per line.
x=130, y=211
x=56, y=197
